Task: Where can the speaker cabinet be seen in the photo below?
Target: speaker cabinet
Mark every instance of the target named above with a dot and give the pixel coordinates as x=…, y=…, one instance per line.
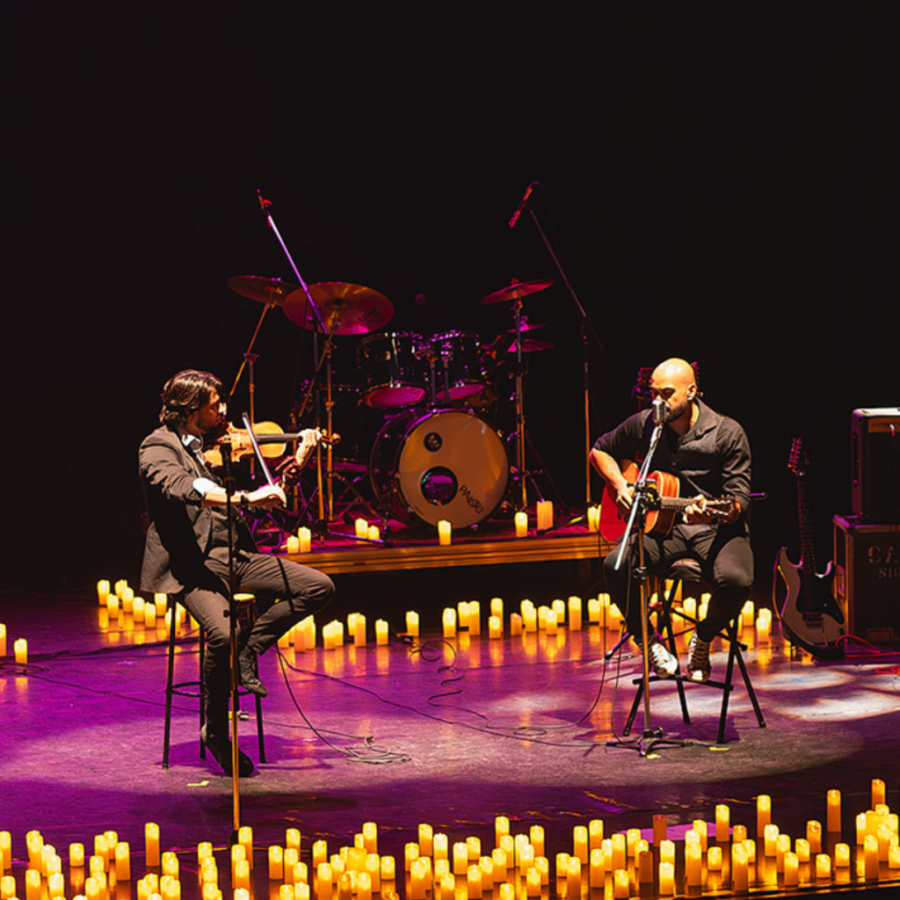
x=875, y=456
x=867, y=578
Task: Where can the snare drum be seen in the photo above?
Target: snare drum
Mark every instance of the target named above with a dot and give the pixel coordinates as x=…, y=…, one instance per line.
x=457, y=354
x=393, y=370
x=443, y=465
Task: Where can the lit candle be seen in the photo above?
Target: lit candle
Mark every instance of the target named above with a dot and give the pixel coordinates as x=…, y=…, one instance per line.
x=516, y=626
x=426, y=838
x=495, y=627
x=714, y=859
x=893, y=857
x=381, y=633
x=521, y=521
x=359, y=631
x=763, y=813
x=445, y=532
x=532, y=884
x=723, y=823
x=474, y=617
x=362, y=528
x=791, y=870
x=739, y=868
x=440, y=847
x=593, y=518
x=498, y=860
x=842, y=855
x=324, y=881
x=666, y=879
x=782, y=848
x=412, y=623
x=597, y=868
x=449, y=622
x=20, y=648
x=619, y=851
x=878, y=792
x=460, y=858
x=593, y=606
x=574, y=613
x=102, y=591
x=373, y=533
x=699, y=827
x=573, y=877
x=529, y=619
x=373, y=870
x=418, y=874
x=293, y=544
x=276, y=863
x=823, y=867
x=580, y=843
x=76, y=855
x=870, y=854
x=388, y=869
x=692, y=863
x=544, y=514
x=770, y=838
x=833, y=820
x=620, y=885
x=123, y=862
x=803, y=850
x=304, y=540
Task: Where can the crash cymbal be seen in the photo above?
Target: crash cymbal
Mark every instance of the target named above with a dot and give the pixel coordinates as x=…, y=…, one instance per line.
x=345, y=308
x=530, y=346
x=515, y=291
x=525, y=325
x=273, y=291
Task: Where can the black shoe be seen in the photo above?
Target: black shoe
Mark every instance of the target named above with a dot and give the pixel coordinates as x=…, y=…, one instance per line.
x=249, y=673
x=221, y=751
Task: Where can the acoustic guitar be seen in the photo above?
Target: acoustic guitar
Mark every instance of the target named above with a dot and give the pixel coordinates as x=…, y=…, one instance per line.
x=809, y=614
x=665, y=505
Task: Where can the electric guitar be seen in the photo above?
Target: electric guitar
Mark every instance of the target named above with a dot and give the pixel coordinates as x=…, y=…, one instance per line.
x=663, y=501
x=809, y=615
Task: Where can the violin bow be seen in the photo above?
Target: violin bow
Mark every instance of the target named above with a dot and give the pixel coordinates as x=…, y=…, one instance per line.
x=257, y=451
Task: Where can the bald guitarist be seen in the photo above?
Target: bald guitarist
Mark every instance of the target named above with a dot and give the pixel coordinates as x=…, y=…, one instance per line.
x=709, y=455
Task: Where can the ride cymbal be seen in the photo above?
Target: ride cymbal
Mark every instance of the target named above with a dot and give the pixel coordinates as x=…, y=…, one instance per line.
x=516, y=291
x=272, y=291
x=345, y=308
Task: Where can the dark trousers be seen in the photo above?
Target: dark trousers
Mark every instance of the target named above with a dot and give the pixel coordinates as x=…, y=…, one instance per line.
x=299, y=591
x=726, y=562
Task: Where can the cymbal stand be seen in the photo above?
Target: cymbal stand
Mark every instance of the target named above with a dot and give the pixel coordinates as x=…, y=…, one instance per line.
x=643, y=487
x=521, y=472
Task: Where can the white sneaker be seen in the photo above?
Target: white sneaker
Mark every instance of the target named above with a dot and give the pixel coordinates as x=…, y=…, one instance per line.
x=698, y=666
x=664, y=664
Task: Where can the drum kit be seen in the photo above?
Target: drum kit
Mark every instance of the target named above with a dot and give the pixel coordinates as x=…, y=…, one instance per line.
x=436, y=452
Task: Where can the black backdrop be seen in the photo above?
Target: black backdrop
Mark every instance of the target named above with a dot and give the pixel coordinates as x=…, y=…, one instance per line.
x=720, y=181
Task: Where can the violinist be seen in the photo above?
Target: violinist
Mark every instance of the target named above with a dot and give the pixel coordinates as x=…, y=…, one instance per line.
x=188, y=544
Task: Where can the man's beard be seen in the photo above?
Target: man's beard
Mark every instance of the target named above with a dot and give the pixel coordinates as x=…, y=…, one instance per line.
x=675, y=413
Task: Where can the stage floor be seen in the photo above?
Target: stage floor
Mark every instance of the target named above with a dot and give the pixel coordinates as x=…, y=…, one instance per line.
x=446, y=733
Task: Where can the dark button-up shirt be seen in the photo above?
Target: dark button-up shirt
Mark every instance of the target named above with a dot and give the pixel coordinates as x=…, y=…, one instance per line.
x=712, y=458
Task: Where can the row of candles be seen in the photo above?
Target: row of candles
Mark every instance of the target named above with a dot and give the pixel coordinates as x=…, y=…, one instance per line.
x=466, y=616
x=301, y=542
x=464, y=871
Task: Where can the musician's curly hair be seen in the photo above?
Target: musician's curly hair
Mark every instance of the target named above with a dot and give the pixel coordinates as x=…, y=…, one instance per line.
x=184, y=394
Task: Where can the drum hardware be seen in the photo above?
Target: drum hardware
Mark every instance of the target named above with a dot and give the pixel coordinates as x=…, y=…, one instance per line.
x=392, y=366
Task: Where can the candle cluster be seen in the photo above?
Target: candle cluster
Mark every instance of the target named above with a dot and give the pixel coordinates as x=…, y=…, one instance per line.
x=713, y=857
x=121, y=612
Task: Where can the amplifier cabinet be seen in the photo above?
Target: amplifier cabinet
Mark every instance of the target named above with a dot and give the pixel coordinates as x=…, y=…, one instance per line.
x=875, y=460
x=867, y=578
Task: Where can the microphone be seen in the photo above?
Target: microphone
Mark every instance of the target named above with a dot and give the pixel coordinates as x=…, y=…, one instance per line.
x=521, y=206
x=659, y=411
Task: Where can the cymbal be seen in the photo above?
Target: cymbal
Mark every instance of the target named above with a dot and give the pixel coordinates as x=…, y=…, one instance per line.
x=272, y=291
x=530, y=346
x=525, y=325
x=345, y=308
x=515, y=291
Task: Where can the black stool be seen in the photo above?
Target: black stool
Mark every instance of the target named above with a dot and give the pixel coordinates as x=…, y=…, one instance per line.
x=689, y=570
x=246, y=605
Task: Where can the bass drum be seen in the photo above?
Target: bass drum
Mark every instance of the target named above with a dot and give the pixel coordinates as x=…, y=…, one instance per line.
x=447, y=464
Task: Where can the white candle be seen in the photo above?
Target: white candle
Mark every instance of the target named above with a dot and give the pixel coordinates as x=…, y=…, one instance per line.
x=381, y=632
x=20, y=648
x=445, y=532
x=293, y=544
x=521, y=521
x=412, y=623
x=304, y=535
x=362, y=528
x=593, y=518
x=544, y=514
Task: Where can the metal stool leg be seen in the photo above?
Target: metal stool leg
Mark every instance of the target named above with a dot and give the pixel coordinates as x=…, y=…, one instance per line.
x=170, y=677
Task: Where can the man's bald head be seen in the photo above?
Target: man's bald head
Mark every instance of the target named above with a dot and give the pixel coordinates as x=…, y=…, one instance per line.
x=674, y=381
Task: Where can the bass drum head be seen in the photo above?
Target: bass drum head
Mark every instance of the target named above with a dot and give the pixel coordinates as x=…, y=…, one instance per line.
x=448, y=465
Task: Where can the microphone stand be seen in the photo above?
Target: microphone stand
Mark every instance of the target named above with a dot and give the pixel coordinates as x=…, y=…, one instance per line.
x=587, y=330
x=643, y=491
x=232, y=642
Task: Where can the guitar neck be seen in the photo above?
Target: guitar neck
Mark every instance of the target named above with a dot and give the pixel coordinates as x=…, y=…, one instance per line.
x=807, y=549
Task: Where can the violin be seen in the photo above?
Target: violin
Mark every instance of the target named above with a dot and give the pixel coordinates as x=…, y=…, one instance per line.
x=269, y=436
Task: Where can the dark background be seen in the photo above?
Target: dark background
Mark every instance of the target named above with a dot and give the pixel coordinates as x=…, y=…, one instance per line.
x=720, y=181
